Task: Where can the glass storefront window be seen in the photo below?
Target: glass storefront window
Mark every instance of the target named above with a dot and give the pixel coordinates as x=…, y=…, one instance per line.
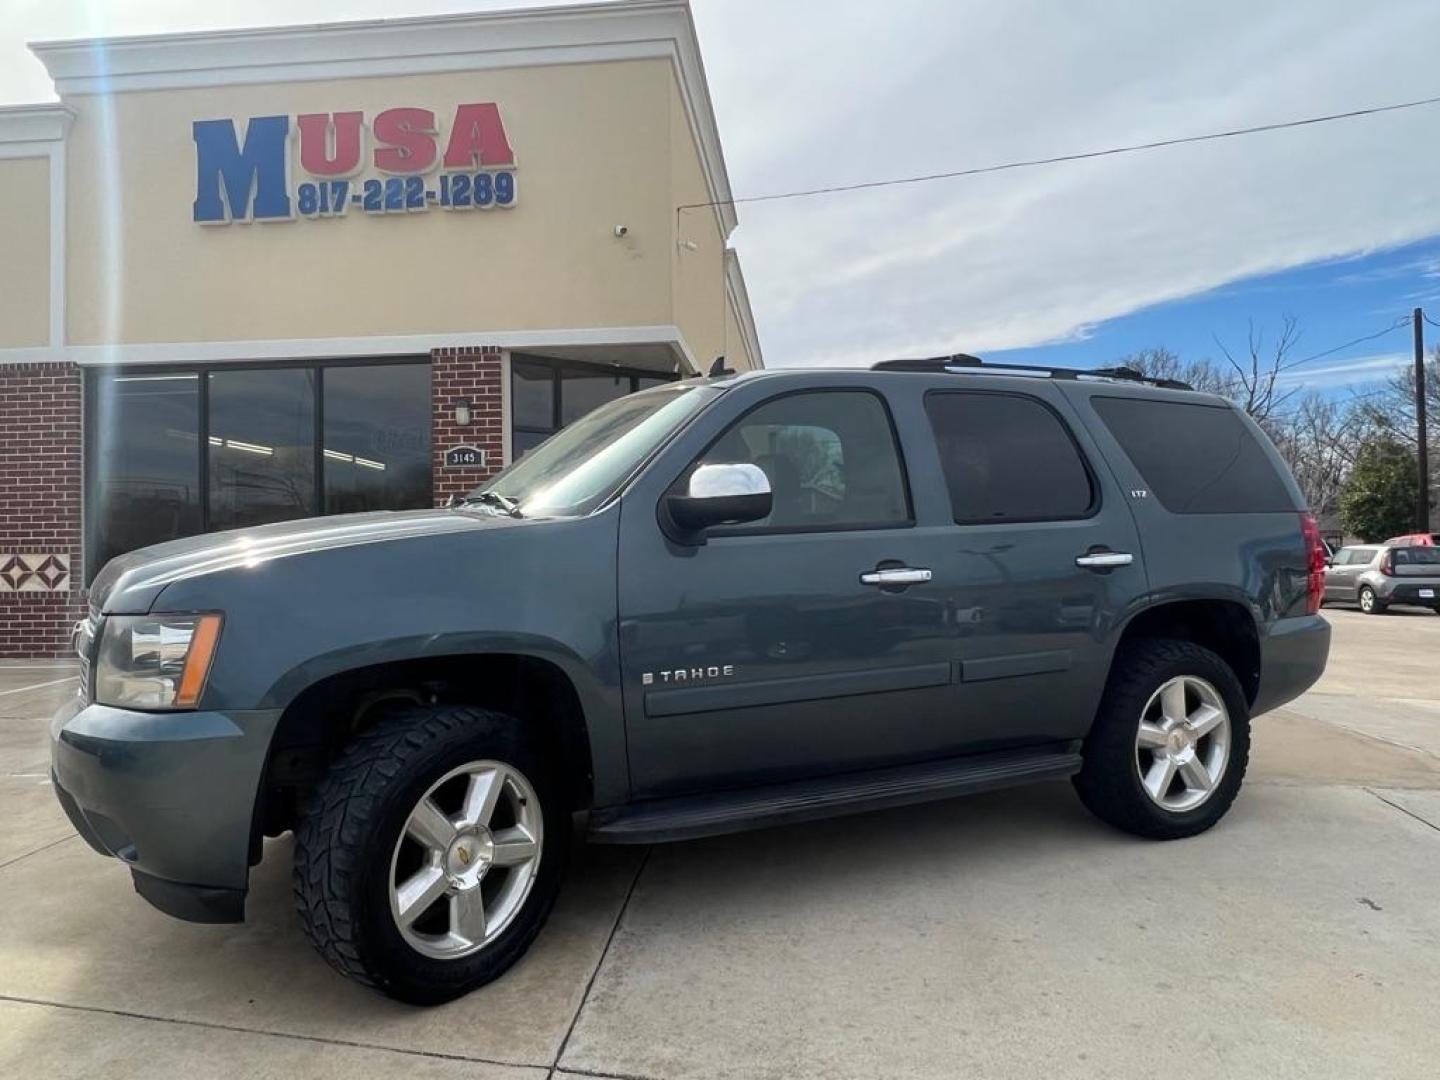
x=175, y=453
x=376, y=448
x=143, y=462
x=261, y=446
x=532, y=395
x=546, y=395
x=584, y=391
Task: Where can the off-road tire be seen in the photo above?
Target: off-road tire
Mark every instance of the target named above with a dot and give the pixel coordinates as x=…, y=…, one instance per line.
x=347, y=833
x=1109, y=783
x=1377, y=606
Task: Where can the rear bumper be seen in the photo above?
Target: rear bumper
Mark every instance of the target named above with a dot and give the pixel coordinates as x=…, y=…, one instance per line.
x=170, y=794
x=1292, y=658
x=1401, y=591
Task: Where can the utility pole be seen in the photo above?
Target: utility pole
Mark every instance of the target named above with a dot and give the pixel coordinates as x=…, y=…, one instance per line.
x=1422, y=504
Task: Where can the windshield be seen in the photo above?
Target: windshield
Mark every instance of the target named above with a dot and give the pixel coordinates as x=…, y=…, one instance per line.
x=581, y=466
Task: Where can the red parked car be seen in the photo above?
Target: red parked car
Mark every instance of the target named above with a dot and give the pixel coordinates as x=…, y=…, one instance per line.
x=1415, y=540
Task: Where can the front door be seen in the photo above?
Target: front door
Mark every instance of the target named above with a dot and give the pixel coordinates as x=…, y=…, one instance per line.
x=774, y=650
x=1339, y=581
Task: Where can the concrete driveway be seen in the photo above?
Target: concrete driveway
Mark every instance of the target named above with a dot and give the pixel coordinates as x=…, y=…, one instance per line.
x=1007, y=935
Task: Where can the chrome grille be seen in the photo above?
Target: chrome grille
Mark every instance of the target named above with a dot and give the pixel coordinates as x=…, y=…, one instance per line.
x=83, y=637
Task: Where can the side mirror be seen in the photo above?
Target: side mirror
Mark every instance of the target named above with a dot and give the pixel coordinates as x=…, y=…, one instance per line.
x=721, y=495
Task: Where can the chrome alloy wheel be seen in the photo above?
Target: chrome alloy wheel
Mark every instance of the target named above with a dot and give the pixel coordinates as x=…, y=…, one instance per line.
x=1182, y=746
x=466, y=859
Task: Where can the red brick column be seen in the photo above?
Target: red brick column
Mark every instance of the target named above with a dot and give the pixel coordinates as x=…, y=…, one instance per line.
x=466, y=374
x=41, y=576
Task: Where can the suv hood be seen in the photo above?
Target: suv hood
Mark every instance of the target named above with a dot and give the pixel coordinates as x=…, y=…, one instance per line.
x=130, y=583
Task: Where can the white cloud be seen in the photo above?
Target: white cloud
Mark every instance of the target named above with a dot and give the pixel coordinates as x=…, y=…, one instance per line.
x=1361, y=369
x=1030, y=256
x=818, y=92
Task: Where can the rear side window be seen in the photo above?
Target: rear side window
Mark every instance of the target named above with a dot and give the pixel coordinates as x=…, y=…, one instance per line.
x=1007, y=457
x=1415, y=556
x=1195, y=458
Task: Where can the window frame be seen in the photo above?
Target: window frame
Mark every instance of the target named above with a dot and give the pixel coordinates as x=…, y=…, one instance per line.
x=203, y=372
x=1097, y=497
x=557, y=407
x=726, y=531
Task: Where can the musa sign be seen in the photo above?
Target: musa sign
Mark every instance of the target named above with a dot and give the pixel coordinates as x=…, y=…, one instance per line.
x=250, y=178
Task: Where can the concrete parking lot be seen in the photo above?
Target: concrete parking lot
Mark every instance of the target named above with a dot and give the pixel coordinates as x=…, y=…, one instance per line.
x=1007, y=935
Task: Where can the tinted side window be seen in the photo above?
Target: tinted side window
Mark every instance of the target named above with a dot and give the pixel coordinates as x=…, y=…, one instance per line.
x=1416, y=556
x=1195, y=458
x=830, y=457
x=1007, y=458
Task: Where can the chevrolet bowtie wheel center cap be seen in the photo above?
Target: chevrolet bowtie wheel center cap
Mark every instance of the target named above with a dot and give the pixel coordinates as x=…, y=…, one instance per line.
x=469, y=855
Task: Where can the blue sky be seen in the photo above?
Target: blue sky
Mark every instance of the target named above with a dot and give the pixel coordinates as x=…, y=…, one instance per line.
x=1333, y=300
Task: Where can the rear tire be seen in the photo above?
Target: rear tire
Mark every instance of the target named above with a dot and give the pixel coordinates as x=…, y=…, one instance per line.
x=1370, y=604
x=399, y=880
x=1170, y=742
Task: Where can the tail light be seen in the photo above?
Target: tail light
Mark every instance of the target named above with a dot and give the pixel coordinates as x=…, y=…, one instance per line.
x=1315, y=561
x=1387, y=564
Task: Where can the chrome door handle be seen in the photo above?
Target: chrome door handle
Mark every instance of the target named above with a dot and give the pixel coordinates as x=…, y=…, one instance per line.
x=1105, y=558
x=895, y=575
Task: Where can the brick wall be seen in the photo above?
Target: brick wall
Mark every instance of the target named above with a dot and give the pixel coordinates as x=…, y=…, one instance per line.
x=40, y=495
x=471, y=374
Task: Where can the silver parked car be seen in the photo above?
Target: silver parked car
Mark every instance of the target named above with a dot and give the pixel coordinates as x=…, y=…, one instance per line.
x=1378, y=575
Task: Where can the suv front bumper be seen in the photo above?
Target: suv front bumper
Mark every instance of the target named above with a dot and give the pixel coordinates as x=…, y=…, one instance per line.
x=171, y=794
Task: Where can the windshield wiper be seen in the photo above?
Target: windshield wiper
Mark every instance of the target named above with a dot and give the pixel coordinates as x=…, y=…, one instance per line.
x=494, y=498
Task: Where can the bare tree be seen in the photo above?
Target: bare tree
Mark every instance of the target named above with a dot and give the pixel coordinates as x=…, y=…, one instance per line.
x=1258, y=371
x=1320, y=440
x=1252, y=380
x=1161, y=363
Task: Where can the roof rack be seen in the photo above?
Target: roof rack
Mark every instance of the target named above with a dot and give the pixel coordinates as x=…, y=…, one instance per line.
x=965, y=360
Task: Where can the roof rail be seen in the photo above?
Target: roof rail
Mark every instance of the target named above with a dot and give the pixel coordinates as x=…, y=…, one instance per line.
x=965, y=360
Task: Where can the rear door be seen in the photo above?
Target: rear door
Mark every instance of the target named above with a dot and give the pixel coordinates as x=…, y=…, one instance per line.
x=1041, y=558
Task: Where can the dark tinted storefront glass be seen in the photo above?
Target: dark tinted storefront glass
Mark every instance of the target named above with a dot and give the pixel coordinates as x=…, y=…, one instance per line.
x=262, y=446
x=532, y=395
x=522, y=442
x=547, y=395
x=583, y=391
x=143, y=467
x=377, y=438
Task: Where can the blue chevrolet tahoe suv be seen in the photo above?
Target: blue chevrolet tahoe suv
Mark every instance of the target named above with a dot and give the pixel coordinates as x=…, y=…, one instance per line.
x=714, y=605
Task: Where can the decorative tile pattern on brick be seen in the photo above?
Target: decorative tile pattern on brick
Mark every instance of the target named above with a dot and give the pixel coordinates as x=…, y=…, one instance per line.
x=41, y=593
x=466, y=374
x=34, y=573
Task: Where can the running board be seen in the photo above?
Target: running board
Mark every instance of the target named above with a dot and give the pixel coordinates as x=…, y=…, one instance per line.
x=689, y=816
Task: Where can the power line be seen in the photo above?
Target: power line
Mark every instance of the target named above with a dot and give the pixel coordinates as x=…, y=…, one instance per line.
x=1085, y=155
x=1360, y=340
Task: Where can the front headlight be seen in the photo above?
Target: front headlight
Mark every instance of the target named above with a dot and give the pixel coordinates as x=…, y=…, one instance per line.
x=155, y=661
